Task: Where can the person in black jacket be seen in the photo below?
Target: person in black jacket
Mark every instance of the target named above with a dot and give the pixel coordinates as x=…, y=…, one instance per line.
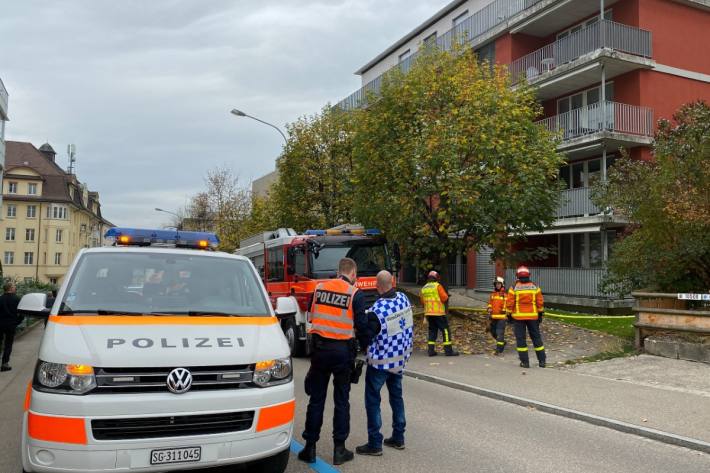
x=9, y=320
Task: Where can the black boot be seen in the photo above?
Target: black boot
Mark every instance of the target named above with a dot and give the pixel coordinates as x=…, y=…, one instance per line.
x=449, y=351
x=341, y=454
x=525, y=364
x=368, y=450
x=432, y=350
x=308, y=454
x=5, y=367
x=541, y=358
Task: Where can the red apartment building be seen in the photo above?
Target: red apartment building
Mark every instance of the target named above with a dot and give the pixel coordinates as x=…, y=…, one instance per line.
x=605, y=72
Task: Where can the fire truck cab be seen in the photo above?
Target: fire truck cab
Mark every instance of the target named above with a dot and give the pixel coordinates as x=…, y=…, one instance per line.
x=292, y=264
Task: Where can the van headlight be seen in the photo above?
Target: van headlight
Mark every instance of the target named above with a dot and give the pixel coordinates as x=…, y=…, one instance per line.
x=64, y=379
x=272, y=372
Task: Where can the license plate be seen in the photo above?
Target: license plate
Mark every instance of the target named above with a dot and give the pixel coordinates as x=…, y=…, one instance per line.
x=175, y=455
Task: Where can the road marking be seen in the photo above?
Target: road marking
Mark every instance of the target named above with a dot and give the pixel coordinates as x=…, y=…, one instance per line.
x=319, y=466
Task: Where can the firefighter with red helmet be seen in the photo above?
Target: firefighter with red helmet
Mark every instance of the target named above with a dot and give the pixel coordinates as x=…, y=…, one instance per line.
x=433, y=297
x=526, y=307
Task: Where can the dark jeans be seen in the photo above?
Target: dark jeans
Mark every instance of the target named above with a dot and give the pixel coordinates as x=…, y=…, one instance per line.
x=498, y=330
x=533, y=328
x=438, y=323
x=374, y=380
x=7, y=337
x=332, y=359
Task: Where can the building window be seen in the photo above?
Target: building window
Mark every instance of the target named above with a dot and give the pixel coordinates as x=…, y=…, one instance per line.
x=57, y=258
x=30, y=234
x=32, y=189
x=11, y=210
x=578, y=27
x=31, y=211
x=29, y=257
x=582, y=250
x=405, y=55
x=585, y=98
x=29, y=280
x=9, y=234
x=487, y=53
x=59, y=235
x=430, y=40
x=53, y=281
x=12, y=188
x=585, y=173
x=275, y=264
x=9, y=257
x=459, y=19
x=58, y=212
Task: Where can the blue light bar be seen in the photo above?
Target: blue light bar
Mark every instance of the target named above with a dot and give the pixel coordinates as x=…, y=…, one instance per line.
x=369, y=231
x=147, y=237
x=373, y=231
x=315, y=232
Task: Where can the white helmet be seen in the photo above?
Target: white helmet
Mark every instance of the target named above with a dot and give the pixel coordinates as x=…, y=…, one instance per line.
x=500, y=280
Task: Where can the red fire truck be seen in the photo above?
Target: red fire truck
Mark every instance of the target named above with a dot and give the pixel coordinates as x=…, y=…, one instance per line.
x=292, y=264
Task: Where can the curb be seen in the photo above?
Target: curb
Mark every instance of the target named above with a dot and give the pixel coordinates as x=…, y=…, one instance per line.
x=653, y=434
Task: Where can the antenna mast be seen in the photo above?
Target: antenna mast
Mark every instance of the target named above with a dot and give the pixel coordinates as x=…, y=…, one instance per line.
x=71, y=151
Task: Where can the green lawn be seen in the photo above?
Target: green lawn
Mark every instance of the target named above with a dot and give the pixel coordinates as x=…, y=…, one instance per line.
x=621, y=327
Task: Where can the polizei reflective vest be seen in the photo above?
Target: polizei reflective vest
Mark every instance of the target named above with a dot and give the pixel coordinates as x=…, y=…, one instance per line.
x=332, y=310
x=393, y=345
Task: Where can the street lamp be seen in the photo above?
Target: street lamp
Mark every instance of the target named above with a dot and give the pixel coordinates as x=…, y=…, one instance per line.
x=239, y=113
x=179, y=226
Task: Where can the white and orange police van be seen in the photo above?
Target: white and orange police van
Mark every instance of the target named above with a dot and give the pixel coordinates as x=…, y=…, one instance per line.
x=158, y=357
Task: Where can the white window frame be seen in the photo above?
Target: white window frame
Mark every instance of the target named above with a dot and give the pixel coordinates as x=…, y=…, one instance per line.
x=59, y=235
x=578, y=26
x=10, y=234
x=430, y=39
x=31, y=211
x=30, y=232
x=11, y=210
x=458, y=19
x=31, y=188
x=29, y=258
x=9, y=258
x=58, y=258
x=12, y=187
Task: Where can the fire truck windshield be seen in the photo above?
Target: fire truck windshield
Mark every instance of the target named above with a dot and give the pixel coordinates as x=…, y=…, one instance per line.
x=370, y=258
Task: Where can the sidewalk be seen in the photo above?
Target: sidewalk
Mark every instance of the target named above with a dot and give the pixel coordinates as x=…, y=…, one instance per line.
x=653, y=398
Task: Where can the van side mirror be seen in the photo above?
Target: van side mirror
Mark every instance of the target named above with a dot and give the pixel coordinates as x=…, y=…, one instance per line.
x=34, y=304
x=286, y=306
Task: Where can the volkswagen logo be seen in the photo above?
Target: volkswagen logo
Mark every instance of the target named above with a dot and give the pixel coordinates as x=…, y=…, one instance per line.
x=179, y=381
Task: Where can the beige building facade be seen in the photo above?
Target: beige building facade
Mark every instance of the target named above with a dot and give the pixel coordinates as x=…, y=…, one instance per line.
x=47, y=215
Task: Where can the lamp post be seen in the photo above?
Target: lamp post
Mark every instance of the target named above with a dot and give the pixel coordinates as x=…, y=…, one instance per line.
x=239, y=113
x=179, y=218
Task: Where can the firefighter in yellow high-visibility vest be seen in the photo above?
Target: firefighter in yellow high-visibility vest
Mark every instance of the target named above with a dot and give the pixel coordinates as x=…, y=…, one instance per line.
x=433, y=297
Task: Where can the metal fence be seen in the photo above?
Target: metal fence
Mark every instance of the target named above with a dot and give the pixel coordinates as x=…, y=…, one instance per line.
x=576, y=203
x=579, y=282
x=457, y=275
x=604, y=34
x=610, y=116
x=468, y=31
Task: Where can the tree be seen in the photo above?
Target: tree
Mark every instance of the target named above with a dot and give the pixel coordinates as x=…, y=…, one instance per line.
x=448, y=158
x=667, y=201
x=313, y=190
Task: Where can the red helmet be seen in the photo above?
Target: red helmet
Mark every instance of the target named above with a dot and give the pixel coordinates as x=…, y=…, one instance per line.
x=433, y=275
x=523, y=272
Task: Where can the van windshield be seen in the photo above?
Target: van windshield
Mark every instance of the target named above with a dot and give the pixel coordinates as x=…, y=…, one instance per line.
x=163, y=284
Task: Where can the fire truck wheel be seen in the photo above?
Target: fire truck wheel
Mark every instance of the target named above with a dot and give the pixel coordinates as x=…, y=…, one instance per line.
x=289, y=328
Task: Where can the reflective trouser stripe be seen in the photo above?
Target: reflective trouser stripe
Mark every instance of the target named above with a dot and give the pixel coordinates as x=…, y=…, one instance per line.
x=431, y=343
x=539, y=348
x=386, y=361
x=447, y=339
x=522, y=349
x=500, y=343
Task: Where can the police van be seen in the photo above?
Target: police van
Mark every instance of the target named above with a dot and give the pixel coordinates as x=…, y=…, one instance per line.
x=159, y=355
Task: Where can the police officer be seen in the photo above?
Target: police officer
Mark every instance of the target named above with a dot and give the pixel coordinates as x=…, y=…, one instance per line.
x=433, y=297
x=525, y=305
x=497, y=313
x=338, y=310
x=386, y=357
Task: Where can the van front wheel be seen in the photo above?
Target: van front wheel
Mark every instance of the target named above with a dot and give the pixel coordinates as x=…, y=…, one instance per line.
x=273, y=464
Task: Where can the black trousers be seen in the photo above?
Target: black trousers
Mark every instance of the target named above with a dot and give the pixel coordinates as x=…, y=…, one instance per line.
x=533, y=328
x=7, y=338
x=498, y=331
x=438, y=323
x=328, y=359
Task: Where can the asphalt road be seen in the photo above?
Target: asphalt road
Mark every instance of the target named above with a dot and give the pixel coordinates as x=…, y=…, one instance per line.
x=447, y=430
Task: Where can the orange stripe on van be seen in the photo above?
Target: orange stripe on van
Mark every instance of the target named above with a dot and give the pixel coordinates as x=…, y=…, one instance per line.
x=158, y=320
x=28, y=396
x=56, y=429
x=274, y=416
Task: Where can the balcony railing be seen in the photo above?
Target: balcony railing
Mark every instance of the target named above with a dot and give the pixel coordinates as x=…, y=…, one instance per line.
x=604, y=34
x=577, y=282
x=607, y=116
x=576, y=203
x=3, y=97
x=468, y=31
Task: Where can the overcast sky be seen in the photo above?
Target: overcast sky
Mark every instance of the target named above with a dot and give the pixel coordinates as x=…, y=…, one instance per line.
x=144, y=88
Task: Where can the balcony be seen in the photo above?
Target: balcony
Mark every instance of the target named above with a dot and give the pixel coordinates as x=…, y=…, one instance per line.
x=618, y=124
x=3, y=101
x=471, y=31
x=576, y=203
x=578, y=58
x=573, y=282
